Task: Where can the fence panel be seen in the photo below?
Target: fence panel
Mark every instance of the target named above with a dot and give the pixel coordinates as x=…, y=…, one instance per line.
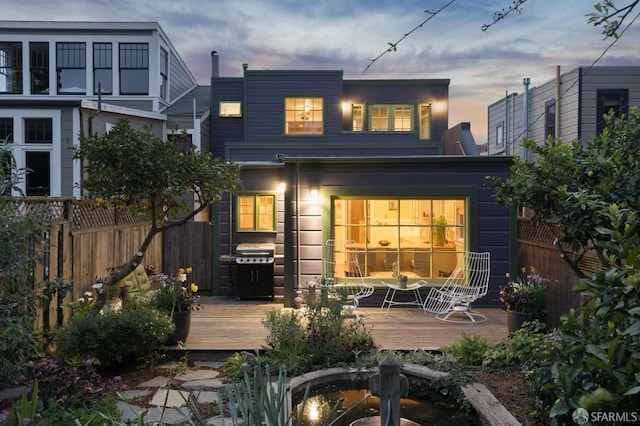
x=190, y=245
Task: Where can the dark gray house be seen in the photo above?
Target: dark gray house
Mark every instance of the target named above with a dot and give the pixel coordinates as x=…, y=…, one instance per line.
x=327, y=158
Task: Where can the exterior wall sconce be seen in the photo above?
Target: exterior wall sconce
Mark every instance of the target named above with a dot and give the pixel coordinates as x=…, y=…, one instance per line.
x=314, y=195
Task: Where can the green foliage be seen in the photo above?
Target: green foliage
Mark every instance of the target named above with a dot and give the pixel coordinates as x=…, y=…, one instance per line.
x=20, y=236
x=318, y=337
x=468, y=349
x=127, y=337
x=566, y=180
x=525, y=344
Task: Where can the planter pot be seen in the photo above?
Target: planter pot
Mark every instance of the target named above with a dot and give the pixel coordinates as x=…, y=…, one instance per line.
x=402, y=284
x=182, y=321
x=516, y=319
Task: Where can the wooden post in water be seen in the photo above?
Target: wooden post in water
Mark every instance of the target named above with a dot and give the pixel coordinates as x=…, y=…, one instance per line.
x=390, y=386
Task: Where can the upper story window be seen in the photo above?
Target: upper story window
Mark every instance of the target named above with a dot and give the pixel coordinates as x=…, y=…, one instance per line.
x=39, y=65
x=164, y=73
x=71, y=66
x=134, y=69
x=391, y=118
x=256, y=213
x=611, y=100
x=230, y=109
x=500, y=135
x=303, y=116
x=102, y=68
x=6, y=129
x=425, y=121
x=10, y=67
x=550, y=119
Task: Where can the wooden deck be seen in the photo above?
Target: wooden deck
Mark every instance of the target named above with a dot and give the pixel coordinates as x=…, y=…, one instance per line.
x=227, y=325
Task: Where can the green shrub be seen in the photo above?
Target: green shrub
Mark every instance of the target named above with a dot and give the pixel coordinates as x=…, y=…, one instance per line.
x=127, y=337
x=319, y=336
x=468, y=349
x=519, y=349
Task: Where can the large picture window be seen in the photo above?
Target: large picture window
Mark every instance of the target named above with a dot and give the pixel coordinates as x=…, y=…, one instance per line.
x=418, y=237
x=71, y=66
x=256, y=212
x=303, y=116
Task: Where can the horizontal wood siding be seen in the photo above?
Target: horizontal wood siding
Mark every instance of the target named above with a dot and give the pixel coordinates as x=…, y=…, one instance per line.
x=605, y=78
x=181, y=81
x=226, y=129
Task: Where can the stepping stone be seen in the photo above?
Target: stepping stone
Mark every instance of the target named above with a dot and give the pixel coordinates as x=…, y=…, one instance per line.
x=11, y=393
x=130, y=412
x=197, y=375
x=204, y=384
x=156, y=382
x=206, y=397
x=135, y=393
x=209, y=364
x=169, y=398
x=170, y=416
x=217, y=421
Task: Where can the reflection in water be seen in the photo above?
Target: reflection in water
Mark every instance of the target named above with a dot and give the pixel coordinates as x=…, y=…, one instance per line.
x=322, y=399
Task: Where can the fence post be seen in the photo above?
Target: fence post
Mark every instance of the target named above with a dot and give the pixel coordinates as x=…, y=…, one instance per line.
x=390, y=386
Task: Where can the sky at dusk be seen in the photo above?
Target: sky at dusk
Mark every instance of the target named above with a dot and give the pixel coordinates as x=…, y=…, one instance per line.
x=347, y=34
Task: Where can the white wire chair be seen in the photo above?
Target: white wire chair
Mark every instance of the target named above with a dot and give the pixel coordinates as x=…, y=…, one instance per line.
x=343, y=274
x=468, y=282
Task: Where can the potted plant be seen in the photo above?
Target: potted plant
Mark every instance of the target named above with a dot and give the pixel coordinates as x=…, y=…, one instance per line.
x=176, y=299
x=525, y=299
x=402, y=280
x=440, y=231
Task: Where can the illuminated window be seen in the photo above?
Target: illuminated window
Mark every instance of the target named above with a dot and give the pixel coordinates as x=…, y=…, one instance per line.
x=418, y=237
x=256, y=213
x=71, y=67
x=357, y=117
x=230, y=109
x=303, y=116
x=425, y=121
x=395, y=118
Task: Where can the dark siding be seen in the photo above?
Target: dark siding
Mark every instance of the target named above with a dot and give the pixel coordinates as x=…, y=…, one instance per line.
x=225, y=129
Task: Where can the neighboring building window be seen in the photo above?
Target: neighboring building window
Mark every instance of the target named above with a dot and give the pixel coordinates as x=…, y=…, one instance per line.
x=395, y=118
x=38, y=130
x=303, y=116
x=6, y=129
x=102, y=68
x=181, y=138
x=6, y=163
x=164, y=73
x=230, y=109
x=38, y=161
x=550, y=119
x=611, y=100
x=418, y=237
x=134, y=69
x=39, y=65
x=357, y=117
x=256, y=213
x=500, y=135
x=425, y=121
x=10, y=67
x=71, y=67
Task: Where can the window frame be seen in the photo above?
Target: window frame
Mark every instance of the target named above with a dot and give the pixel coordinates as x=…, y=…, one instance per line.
x=11, y=53
x=299, y=109
x=102, y=62
x=550, y=112
x=134, y=60
x=391, y=119
x=256, y=212
x=39, y=62
x=72, y=57
x=622, y=96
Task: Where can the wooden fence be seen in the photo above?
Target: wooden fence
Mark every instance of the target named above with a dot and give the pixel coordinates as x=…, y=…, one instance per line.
x=536, y=248
x=84, y=243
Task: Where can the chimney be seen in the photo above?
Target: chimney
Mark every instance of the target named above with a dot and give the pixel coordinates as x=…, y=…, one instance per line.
x=215, y=64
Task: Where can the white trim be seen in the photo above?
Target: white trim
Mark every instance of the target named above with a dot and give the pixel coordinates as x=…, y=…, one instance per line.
x=88, y=104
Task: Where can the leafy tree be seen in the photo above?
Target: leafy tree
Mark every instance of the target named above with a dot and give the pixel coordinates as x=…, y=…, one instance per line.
x=565, y=181
x=134, y=169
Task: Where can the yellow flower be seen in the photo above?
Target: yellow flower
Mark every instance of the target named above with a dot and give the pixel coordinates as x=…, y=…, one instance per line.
x=184, y=289
x=181, y=271
x=194, y=287
x=189, y=270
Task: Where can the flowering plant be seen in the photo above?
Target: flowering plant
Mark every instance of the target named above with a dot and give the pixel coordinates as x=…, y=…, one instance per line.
x=172, y=294
x=527, y=294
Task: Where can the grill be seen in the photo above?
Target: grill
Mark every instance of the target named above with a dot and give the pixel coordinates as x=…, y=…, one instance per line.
x=254, y=271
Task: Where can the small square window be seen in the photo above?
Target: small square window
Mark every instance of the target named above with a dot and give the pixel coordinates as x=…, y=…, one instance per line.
x=256, y=213
x=230, y=109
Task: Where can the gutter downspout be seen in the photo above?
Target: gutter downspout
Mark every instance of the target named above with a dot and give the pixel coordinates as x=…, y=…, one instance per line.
x=525, y=113
x=557, y=120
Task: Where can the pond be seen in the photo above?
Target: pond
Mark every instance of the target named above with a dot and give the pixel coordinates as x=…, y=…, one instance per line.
x=430, y=408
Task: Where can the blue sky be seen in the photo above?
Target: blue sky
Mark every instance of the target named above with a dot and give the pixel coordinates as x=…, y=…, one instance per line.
x=347, y=34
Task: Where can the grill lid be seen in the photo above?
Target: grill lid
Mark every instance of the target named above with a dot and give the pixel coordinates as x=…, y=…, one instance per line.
x=256, y=249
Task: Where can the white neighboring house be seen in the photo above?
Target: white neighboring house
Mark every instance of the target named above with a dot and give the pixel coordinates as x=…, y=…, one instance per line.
x=58, y=79
x=570, y=107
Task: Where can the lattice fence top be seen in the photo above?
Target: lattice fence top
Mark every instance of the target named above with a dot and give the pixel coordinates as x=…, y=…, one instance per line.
x=535, y=233
x=57, y=207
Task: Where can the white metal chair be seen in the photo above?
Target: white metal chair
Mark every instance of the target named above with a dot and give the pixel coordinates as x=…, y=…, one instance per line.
x=468, y=282
x=342, y=271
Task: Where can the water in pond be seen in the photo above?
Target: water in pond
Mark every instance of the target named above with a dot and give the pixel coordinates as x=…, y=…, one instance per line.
x=431, y=409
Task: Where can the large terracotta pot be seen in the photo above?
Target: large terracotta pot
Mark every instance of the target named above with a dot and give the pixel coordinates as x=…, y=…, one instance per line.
x=182, y=321
x=516, y=319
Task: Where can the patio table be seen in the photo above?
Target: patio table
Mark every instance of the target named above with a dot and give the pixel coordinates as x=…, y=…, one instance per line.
x=389, y=298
